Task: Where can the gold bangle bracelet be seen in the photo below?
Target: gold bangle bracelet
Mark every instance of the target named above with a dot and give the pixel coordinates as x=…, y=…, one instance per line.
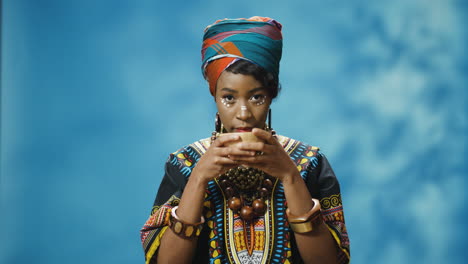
x=308, y=226
x=183, y=229
x=307, y=222
x=305, y=217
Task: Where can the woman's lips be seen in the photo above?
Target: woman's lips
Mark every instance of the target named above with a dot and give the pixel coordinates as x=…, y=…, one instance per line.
x=243, y=129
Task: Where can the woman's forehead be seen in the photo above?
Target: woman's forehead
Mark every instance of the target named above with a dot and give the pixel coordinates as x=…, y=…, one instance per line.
x=238, y=82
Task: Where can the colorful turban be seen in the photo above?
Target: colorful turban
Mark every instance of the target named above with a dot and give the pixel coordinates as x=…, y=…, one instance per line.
x=256, y=39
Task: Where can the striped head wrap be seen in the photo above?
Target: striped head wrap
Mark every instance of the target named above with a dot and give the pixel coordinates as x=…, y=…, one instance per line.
x=256, y=39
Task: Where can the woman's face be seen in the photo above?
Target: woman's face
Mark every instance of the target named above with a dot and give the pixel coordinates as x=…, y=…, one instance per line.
x=242, y=102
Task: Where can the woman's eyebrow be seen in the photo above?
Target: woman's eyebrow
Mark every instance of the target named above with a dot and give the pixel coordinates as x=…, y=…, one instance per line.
x=254, y=90
x=225, y=89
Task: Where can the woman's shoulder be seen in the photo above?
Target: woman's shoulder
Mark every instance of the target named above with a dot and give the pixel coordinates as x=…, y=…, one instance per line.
x=304, y=155
x=185, y=158
x=196, y=148
x=298, y=147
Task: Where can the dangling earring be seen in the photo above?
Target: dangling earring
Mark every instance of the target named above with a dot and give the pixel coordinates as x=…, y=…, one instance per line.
x=269, y=119
x=218, y=128
x=218, y=125
x=273, y=132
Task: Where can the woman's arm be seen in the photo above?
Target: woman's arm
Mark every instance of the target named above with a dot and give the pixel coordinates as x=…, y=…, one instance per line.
x=316, y=246
x=174, y=249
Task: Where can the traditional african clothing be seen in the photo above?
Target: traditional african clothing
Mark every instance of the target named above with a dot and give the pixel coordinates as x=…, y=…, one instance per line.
x=226, y=238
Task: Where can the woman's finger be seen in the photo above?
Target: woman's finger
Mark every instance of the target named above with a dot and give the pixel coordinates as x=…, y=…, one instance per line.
x=232, y=150
x=251, y=160
x=264, y=135
x=224, y=161
x=257, y=147
x=253, y=146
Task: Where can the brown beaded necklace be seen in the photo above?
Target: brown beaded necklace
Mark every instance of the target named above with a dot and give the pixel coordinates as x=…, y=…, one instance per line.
x=246, y=190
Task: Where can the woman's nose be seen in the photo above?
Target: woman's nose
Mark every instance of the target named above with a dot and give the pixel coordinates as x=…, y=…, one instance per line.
x=244, y=113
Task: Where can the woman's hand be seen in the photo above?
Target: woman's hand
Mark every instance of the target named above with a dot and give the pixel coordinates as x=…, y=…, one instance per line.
x=218, y=158
x=272, y=159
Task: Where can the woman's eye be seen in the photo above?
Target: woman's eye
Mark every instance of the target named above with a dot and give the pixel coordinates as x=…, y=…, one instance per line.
x=227, y=100
x=258, y=98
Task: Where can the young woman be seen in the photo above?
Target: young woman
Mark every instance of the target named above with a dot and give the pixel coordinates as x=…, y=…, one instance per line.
x=227, y=200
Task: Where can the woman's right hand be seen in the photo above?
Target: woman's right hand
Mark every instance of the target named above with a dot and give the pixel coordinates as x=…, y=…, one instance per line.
x=218, y=158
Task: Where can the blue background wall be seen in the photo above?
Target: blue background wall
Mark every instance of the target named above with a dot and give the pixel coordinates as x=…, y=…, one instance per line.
x=96, y=94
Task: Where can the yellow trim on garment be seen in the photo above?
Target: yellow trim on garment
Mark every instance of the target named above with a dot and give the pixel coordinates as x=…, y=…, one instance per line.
x=155, y=245
x=338, y=241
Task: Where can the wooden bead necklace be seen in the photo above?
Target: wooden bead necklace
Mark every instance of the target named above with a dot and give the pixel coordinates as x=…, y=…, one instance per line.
x=246, y=189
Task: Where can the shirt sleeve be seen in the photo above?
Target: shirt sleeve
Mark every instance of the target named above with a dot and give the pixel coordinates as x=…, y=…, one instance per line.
x=168, y=196
x=324, y=186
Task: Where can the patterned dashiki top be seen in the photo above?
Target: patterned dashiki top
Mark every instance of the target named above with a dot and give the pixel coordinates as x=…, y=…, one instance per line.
x=225, y=237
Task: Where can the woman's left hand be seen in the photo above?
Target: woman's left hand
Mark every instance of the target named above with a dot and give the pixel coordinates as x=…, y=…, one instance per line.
x=272, y=159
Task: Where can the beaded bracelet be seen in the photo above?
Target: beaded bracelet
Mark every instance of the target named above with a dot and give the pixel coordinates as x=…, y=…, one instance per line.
x=183, y=229
x=307, y=222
